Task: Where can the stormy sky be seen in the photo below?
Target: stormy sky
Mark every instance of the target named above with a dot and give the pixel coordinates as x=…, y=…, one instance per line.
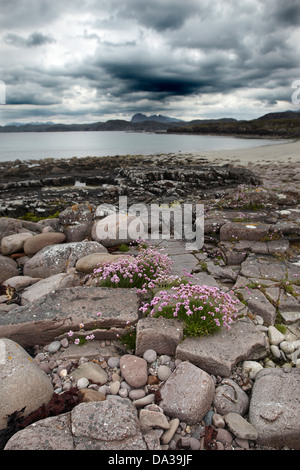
x=92, y=60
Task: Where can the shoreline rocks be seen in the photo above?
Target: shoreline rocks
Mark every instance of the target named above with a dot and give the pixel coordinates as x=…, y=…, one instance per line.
x=244, y=376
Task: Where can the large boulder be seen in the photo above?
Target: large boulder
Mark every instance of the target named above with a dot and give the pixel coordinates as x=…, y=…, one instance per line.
x=89, y=263
x=38, y=242
x=115, y=229
x=14, y=243
x=275, y=408
x=23, y=385
x=59, y=258
x=77, y=222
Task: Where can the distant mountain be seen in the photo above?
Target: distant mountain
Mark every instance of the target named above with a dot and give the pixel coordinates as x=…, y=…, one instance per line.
x=282, y=125
x=157, y=118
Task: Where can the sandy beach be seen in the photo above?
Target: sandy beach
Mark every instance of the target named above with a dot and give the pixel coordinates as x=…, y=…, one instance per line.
x=283, y=153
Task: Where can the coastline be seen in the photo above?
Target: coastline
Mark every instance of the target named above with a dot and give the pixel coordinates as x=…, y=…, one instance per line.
x=280, y=153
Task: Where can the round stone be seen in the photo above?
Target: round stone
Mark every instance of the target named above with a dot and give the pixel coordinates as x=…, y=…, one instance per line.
x=113, y=362
x=54, y=346
x=150, y=356
x=251, y=368
x=82, y=383
x=163, y=373
x=114, y=387
x=134, y=370
x=287, y=347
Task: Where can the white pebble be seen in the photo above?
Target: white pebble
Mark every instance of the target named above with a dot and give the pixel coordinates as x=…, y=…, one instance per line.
x=82, y=383
x=63, y=373
x=164, y=358
x=287, y=347
x=54, y=346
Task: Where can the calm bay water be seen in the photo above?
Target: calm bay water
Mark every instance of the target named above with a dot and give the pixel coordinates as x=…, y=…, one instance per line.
x=40, y=145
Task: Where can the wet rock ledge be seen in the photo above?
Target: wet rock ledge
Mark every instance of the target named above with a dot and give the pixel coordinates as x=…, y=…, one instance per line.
x=47, y=186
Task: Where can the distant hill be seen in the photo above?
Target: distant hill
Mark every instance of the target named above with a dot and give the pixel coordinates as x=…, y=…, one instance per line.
x=281, y=125
x=283, y=115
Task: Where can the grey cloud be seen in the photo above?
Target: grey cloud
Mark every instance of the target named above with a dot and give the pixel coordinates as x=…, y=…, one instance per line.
x=33, y=40
x=153, y=53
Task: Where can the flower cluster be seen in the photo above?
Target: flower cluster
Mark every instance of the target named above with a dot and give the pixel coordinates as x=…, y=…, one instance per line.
x=147, y=269
x=203, y=309
x=81, y=340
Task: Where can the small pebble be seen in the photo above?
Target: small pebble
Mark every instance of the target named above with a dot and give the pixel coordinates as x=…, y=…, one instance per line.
x=163, y=373
x=82, y=383
x=136, y=394
x=64, y=342
x=194, y=444
x=114, y=387
x=224, y=436
x=287, y=347
x=218, y=421
x=150, y=356
x=123, y=392
x=54, y=346
x=275, y=351
x=113, y=362
x=164, y=359
x=275, y=336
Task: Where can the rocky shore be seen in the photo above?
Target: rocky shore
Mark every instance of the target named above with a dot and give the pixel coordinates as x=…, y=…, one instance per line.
x=135, y=382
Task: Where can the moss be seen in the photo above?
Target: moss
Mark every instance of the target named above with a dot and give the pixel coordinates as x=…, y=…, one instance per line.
x=280, y=327
x=31, y=217
x=203, y=266
x=123, y=248
x=128, y=340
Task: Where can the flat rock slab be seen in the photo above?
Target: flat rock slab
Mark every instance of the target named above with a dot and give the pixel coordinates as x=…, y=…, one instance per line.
x=253, y=231
x=217, y=354
x=56, y=313
x=263, y=269
x=275, y=406
x=258, y=304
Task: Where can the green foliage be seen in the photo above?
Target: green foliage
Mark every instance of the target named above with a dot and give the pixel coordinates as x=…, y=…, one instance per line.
x=129, y=340
x=31, y=217
x=280, y=327
x=124, y=248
